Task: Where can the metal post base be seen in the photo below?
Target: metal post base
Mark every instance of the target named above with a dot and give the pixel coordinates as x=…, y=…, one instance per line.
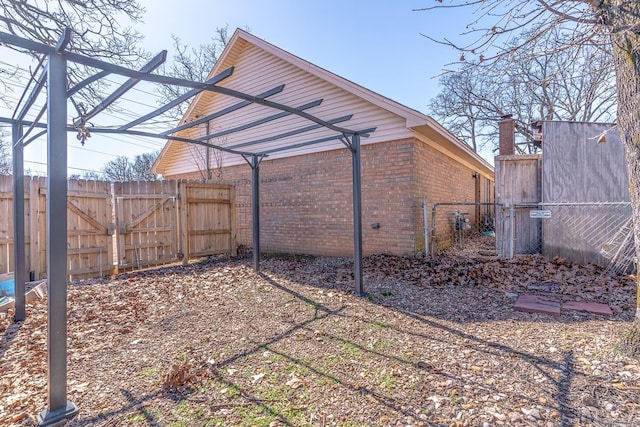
x=58, y=417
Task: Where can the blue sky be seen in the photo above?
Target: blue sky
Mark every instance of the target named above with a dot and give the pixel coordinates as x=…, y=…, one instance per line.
x=375, y=44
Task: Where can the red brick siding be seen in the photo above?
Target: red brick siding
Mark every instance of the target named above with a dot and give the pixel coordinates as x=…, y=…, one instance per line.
x=306, y=201
x=439, y=178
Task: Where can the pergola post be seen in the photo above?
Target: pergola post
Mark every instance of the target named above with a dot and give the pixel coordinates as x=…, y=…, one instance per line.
x=58, y=408
x=255, y=209
x=357, y=214
x=19, y=263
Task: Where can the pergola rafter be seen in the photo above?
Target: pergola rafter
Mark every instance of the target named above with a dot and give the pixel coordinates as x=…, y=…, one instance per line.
x=56, y=128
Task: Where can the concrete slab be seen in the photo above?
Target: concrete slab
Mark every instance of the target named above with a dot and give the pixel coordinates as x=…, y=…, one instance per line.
x=591, y=307
x=537, y=304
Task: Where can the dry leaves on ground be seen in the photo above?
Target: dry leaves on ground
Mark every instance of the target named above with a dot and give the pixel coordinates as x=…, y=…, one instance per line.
x=215, y=343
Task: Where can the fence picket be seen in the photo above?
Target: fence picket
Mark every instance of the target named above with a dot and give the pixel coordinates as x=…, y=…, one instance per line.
x=149, y=222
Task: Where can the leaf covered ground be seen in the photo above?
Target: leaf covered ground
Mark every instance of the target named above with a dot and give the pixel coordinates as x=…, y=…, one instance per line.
x=432, y=344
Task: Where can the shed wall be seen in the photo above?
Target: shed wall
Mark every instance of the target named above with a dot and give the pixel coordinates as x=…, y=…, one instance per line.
x=576, y=168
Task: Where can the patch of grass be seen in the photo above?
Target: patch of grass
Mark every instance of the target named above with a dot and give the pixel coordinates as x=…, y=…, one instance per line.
x=274, y=393
x=137, y=419
x=275, y=358
x=332, y=360
x=380, y=325
x=233, y=391
x=387, y=381
x=146, y=415
x=189, y=414
x=183, y=409
x=350, y=350
x=150, y=372
x=215, y=421
x=386, y=293
x=381, y=345
x=264, y=418
x=298, y=369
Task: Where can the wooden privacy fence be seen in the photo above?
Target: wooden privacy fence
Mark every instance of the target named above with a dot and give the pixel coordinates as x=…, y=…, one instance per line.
x=124, y=225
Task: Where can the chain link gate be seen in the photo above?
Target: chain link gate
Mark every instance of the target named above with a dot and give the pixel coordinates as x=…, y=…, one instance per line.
x=593, y=232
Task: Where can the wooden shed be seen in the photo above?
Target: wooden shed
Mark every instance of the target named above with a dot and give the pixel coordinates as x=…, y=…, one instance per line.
x=580, y=183
x=305, y=193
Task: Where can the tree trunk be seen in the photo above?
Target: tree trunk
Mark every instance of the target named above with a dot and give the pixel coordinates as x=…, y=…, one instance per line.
x=622, y=17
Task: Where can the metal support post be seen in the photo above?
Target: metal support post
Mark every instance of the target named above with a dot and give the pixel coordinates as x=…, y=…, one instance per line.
x=433, y=229
x=59, y=409
x=19, y=264
x=255, y=209
x=357, y=214
x=425, y=222
x=512, y=232
x=207, y=153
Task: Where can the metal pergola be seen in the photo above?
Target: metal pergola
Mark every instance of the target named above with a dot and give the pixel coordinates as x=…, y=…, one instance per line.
x=54, y=75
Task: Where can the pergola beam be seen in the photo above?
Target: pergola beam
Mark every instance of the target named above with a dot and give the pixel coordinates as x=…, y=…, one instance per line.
x=315, y=141
x=116, y=69
x=40, y=81
x=112, y=131
x=59, y=408
x=224, y=111
x=154, y=63
x=179, y=100
x=290, y=133
x=87, y=82
x=260, y=121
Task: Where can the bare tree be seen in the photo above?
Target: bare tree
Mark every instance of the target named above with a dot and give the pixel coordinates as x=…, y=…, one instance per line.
x=119, y=169
x=100, y=29
x=89, y=175
x=572, y=84
x=141, y=166
x=124, y=169
x=611, y=25
x=6, y=164
x=191, y=64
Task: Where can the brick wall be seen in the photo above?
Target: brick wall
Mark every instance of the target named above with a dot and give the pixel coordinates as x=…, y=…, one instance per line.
x=306, y=201
x=440, y=178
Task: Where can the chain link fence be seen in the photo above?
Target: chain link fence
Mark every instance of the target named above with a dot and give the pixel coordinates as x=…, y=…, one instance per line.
x=454, y=223
x=599, y=232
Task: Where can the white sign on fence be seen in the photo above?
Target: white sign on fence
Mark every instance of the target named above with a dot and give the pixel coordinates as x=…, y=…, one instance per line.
x=540, y=214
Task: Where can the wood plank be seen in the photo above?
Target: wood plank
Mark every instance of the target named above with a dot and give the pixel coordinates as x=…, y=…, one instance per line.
x=88, y=218
x=232, y=225
x=147, y=196
x=150, y=210
x=209, y=201
x=183, y=221
x=208, y=232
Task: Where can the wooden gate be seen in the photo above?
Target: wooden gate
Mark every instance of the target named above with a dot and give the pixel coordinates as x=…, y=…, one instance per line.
x=33, y=204
x=146, y=215
x=89, y=228
x=207, y=225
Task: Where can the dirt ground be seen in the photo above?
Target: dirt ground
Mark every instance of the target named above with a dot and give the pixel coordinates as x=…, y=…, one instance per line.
x=431, y=344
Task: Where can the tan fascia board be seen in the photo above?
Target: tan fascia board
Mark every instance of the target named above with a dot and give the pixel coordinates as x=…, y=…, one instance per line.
x=430, y=136
x=155, y=167
x=455, y=141
x=413, y=118
x=232, y=41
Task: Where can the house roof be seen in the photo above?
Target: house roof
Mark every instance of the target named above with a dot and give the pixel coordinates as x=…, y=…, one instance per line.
x=414, y=121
